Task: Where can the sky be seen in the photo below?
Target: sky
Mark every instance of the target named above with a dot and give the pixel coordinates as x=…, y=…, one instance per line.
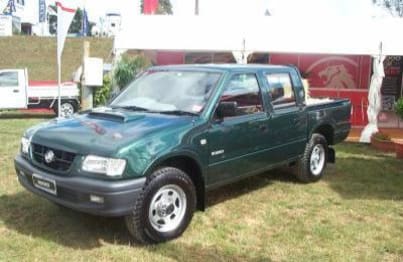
x=241, y=8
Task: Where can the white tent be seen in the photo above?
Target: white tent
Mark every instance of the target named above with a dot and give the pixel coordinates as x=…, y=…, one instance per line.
x=262, y=34
x=244, y=35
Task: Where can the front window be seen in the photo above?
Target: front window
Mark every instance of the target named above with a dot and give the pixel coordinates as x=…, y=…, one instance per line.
x=9, y=79
x=169, y=91
x=244, y=91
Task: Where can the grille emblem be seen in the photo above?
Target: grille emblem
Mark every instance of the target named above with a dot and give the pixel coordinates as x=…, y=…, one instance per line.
x=49, y=156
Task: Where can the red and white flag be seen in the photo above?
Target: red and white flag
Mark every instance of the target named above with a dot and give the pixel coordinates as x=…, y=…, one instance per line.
x=65, y=14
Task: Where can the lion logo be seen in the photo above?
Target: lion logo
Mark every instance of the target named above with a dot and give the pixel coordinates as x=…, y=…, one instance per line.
x=337, y=76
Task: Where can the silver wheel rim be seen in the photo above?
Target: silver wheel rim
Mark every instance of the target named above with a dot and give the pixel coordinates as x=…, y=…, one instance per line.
x=317, y=160
x=66, y=109
x=167, y=208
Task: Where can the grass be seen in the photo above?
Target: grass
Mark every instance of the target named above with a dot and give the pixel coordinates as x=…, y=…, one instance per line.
x=354, y=214
x=38, y=54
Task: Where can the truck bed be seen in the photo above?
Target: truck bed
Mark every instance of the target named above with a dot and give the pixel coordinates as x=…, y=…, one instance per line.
x=48, y=89
x=334, y=113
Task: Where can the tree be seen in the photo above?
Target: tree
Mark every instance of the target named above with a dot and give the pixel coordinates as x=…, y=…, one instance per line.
x=75, y=26
x=394, y=6
x=127, y=68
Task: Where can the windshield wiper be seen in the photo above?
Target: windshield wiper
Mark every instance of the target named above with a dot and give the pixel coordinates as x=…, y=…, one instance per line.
x=132, y=108
x=178, y=112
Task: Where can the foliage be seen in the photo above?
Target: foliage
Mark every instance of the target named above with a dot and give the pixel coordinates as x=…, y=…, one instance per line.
x=75, y=26
x=164, y=7
x=382, y=136
x=399, y=107
x=127, y=69
x=102, y=94
x=394, y=6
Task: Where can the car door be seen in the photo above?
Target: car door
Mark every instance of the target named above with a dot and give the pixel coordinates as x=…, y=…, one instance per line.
x=288, y=120
x=12, y=89
x=236, y=142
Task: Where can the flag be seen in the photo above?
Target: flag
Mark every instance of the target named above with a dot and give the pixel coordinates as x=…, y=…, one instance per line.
x=85, y=24
x=42, y=11
x=65, y=15
x=10, y=8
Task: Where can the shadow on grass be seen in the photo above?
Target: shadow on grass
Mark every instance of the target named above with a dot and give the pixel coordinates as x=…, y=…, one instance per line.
x=33, y=216
x=248, y=185
x=363, y=173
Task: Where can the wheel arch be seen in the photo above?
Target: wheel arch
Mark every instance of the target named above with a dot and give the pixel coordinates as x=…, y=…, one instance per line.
x=189, y=164
x=326, y=130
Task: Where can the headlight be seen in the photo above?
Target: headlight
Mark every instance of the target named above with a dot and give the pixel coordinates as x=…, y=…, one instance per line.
x=102, y=165
x=25, y=145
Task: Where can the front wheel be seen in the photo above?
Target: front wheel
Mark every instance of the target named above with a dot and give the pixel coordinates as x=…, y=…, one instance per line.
x=165, y=207
x=311, y=166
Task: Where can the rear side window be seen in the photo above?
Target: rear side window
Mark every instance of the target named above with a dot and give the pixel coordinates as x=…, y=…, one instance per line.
x=8, y=79
x=281, y=91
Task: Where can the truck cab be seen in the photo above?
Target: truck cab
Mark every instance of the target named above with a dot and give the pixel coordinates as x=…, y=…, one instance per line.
x=13, y=89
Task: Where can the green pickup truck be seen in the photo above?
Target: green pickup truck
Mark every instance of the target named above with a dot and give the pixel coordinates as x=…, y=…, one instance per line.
x=175, y=133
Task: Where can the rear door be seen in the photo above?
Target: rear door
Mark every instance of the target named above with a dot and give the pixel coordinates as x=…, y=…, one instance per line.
x=12, y=89
x=288, y=123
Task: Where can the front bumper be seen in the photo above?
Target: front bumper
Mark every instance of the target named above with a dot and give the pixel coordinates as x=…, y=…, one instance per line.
x=74, y=192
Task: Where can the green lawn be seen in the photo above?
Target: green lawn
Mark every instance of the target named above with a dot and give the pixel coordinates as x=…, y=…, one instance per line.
x=354, y=214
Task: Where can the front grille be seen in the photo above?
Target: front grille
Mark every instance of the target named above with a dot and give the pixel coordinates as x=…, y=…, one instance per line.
x=62, y=159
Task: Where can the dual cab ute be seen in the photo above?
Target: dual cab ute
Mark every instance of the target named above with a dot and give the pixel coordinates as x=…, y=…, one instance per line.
x=175, y=133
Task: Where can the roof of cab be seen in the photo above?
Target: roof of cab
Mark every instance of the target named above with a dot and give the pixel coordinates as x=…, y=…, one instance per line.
x=220, y=67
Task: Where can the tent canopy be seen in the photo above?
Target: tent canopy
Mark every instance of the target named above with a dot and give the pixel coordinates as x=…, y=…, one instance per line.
x=262, y=34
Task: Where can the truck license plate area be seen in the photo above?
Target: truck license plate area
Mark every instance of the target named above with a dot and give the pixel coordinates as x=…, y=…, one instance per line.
x=44, y=184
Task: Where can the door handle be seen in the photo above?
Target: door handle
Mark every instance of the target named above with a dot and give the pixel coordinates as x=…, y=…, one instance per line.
x=16, y=91
x=263, y=128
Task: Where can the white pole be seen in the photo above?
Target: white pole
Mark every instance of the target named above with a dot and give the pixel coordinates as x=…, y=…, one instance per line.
x=59, y=83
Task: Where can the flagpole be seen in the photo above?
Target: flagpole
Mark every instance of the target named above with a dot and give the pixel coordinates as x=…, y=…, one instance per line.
x=59, y=83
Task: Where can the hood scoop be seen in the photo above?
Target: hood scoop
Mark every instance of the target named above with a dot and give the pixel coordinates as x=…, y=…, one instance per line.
x=114, y=116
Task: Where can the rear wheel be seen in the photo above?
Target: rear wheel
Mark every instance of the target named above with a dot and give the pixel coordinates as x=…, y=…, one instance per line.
x=165, y=207
x=67, y=108
x=310, y=168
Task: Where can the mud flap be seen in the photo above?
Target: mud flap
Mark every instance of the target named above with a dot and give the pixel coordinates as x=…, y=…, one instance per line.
x=331, y=155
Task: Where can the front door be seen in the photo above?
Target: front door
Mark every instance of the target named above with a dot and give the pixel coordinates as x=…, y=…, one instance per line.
x=236, y=143
x=12, y=89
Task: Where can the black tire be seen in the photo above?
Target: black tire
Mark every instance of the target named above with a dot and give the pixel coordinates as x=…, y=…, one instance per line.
x=304, y=171
x=141, y=223
x=71, y=103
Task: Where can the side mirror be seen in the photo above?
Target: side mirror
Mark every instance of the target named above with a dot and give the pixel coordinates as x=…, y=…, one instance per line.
x=226, y=109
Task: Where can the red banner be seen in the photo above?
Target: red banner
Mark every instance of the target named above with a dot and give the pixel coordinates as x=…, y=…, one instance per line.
x=150, y=7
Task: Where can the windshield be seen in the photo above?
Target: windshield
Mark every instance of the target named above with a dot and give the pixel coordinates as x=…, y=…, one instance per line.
x=169, y=91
